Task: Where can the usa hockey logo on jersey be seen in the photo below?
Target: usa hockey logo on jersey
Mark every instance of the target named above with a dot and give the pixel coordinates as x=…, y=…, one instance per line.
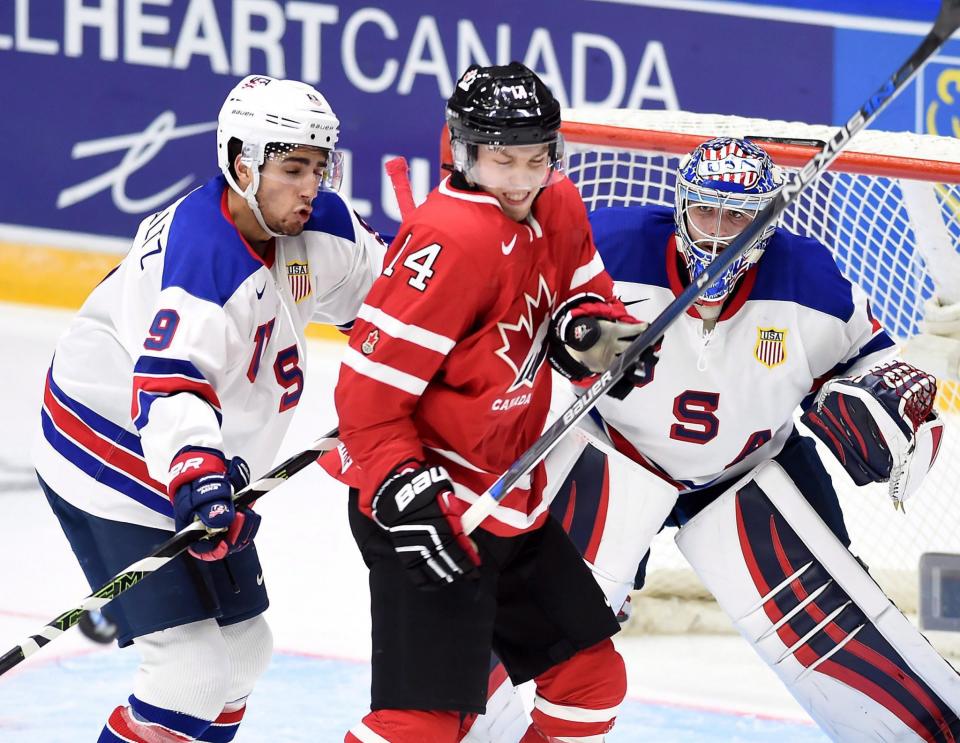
x=298, y=273
x=524, y=350
x=729, y=163
x=771, y=348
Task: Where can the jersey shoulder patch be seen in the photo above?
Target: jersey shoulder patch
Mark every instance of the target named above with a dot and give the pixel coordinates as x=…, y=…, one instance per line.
x=632, y=241
x=802, y=270
x=205, y=256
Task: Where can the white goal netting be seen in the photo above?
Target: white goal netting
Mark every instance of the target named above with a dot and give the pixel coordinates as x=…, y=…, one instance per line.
x=892, y=219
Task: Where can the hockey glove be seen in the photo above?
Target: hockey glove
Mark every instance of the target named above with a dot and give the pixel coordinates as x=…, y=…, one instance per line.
x=413, y=505
x=588, y=333
x=880, y=425
x=202, y=487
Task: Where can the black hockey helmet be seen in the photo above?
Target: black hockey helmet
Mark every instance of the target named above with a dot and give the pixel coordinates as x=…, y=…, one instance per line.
x=502, y=106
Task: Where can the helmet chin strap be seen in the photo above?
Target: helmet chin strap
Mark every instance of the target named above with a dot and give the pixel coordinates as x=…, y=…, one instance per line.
x=250, y=195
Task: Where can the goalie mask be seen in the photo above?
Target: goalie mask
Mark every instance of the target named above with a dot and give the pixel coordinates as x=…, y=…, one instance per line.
x=721, y=187
x=271, y=118
x=500, y=107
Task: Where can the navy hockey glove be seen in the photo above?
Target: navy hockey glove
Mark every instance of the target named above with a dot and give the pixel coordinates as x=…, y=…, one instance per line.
x=586, y=336
x=413, y=505
x=202, y=487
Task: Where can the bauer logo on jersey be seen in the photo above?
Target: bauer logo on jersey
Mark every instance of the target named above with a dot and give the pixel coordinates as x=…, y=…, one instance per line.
x=730, y=164
x=524, y=350
x=299, y=275
x=771, y=348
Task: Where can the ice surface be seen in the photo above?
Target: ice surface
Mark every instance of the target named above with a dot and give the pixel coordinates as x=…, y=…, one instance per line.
x=690, y=688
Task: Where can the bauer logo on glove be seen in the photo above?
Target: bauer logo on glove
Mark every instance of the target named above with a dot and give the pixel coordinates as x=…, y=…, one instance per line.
x=880, y=425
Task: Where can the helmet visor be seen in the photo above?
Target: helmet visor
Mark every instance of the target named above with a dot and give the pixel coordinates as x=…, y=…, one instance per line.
x=303, y=167
x=510, y=168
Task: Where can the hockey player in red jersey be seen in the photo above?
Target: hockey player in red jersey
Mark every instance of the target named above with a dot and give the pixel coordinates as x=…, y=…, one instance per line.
x=443, y=386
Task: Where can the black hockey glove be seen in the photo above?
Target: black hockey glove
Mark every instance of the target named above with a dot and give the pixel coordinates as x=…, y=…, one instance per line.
x=413, y=505
x=586, y=336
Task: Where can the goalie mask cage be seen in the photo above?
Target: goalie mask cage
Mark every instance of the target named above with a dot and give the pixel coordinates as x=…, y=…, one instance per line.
x=889, y=210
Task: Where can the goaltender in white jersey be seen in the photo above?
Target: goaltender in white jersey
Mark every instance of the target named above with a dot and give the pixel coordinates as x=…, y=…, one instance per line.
x=722, y=395
x=179, y=378
x=707, y=442
x=780, y=329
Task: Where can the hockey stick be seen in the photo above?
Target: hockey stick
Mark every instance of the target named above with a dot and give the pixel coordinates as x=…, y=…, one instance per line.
x=948, y=21
x=397, y=170
x=176, y=544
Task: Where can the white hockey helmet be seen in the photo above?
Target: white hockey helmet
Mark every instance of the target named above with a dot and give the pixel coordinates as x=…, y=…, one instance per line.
x=261, y=111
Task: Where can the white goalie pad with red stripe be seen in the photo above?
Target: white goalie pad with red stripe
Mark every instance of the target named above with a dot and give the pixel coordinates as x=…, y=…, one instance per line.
x=612, y=508
x=811, y=611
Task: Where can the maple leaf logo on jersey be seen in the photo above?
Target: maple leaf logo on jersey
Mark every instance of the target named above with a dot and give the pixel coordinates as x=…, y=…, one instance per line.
x=524, y=349
x=370, y=342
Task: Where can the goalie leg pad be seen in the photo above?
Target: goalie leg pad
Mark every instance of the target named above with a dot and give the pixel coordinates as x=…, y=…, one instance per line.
x=612, y=508
x=809, y=609
x=505, y=720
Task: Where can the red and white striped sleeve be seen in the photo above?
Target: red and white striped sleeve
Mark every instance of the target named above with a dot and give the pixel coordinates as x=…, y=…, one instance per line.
x=415, y=313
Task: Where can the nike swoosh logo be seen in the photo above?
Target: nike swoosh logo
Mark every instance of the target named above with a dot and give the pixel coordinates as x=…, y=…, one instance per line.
x=507, y=248
x=259, y=579
x=635, y=301
x=261, y=291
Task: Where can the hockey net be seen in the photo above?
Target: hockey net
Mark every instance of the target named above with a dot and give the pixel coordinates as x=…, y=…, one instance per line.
x=889, y=209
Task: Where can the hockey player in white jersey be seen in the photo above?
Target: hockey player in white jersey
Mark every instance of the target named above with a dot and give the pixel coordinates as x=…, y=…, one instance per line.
x=178, y=379
x=781, y=328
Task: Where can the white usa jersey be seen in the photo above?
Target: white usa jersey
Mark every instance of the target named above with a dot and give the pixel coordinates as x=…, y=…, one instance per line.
x=193, y=340
x=720, y=403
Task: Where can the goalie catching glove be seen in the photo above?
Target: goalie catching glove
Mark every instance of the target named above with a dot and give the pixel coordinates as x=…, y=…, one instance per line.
x=880, y=425
x=588, y=333
x=413, y=505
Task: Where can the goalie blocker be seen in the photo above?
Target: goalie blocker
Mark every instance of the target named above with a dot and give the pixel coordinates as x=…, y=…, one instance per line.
x=811, y=611
x=880, y=425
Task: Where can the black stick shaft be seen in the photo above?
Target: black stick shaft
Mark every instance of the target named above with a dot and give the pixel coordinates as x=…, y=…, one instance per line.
x=947, y=22
x=133, y=574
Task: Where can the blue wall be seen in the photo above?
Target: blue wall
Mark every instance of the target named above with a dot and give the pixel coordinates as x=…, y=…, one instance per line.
x=108, y=114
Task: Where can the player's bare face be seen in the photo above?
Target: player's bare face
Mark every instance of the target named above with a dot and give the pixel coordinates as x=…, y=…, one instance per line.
x=713, y=228
x=288, y=185
x=513, y=175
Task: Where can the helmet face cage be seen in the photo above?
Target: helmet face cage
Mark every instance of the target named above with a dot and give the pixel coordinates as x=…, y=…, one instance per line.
x=726, y=175
x=500, y=107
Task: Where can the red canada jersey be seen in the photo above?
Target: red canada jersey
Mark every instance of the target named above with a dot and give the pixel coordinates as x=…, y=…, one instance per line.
x=447, y=360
